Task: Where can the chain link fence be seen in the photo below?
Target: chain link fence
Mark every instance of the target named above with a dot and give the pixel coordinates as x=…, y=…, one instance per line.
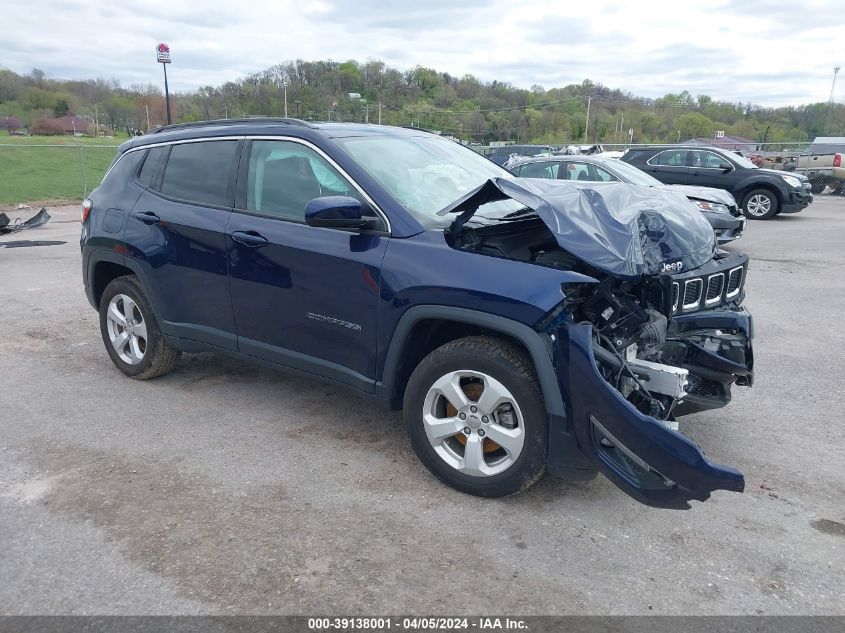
x=51, y=173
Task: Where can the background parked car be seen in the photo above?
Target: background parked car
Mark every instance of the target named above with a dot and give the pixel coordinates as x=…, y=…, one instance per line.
x=717, y=206
x=500, y=155
x=824, y=164
x=762, y=193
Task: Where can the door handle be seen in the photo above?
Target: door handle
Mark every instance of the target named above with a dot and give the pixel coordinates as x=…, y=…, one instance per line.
x=249, y=238
x=148, y=217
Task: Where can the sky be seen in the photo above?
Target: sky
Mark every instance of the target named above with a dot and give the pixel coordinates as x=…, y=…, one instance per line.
x=767, y=52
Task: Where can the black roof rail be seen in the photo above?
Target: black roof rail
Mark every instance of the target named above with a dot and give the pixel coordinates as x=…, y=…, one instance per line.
x=195, y=124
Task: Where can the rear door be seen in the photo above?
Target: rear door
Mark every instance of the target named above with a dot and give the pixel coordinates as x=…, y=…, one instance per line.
x=710, y=169
x=303, y=296
x=176, y=233
x=669, y=166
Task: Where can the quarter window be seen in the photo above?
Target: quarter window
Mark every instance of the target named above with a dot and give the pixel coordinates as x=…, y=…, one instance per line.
x=150, y=163
x=284, y=176
x=671, y=158
x=201, y=172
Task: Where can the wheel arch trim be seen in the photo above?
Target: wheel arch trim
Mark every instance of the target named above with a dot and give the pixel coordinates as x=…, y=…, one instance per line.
x=538, y=346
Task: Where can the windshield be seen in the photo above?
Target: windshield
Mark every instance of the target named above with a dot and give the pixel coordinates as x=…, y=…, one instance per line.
x=742, y=161
x=426, y=173
x=632, y=175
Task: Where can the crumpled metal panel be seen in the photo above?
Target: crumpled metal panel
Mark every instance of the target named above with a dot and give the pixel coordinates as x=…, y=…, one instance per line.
x=625, y=230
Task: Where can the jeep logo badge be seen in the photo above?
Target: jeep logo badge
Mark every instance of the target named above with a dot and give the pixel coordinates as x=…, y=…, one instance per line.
x=673, y=267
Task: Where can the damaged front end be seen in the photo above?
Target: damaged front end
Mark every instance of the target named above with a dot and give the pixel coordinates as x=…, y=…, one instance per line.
x=657, y=332
x=629, y=367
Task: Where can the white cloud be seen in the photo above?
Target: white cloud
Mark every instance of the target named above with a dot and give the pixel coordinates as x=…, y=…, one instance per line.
x=768, y=52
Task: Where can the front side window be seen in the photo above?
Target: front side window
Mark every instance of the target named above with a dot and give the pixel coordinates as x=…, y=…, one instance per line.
x=201, y=172
x=587, y=172
x=284, y=176
x=709, y=160
x=546, y=169
x=670, y=158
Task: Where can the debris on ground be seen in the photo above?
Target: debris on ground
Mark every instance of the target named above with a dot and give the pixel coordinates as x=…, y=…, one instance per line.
x=39, y=219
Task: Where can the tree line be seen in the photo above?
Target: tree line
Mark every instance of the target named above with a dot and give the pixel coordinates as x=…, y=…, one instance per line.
x=465, y=107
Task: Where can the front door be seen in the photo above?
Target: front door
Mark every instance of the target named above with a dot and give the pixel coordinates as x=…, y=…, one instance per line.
x=709, y=169
x=303, y=296
x=669, y=166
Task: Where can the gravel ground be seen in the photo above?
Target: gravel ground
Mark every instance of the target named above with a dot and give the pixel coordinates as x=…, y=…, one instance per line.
x=223, y=488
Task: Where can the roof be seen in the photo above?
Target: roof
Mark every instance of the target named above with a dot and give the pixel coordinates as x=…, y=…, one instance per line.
x=829, y=140
x=261, y=126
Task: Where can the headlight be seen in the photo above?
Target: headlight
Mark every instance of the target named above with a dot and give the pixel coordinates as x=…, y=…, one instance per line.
x=792, y=181
x=712, y=207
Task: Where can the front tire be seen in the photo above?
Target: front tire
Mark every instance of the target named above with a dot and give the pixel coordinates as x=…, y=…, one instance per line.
x=760, y=204
x=131, y=332
x=475, y=415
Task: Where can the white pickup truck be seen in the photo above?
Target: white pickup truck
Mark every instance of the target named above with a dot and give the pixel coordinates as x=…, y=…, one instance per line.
x=824, y=164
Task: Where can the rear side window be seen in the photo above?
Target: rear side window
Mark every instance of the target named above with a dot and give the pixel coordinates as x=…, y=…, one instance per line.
x=546, y=169
x=201, y=172
x=671, y=158
x=150, y=163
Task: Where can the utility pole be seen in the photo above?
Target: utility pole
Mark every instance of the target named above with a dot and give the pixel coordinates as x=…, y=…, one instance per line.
x=96, y=123
x=285, y=84
x=587, y=124
x=380, y=106
x=367, y=113
x=147, y=108
x=833, y=86
x=167, y=95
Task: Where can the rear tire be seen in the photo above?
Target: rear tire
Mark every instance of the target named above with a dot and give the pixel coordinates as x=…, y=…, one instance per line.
x=131, y=332
x=760, y=204
x=463, y=452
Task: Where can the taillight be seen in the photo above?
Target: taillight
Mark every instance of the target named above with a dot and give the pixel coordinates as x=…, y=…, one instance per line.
x=86, y=209
x=837, y=160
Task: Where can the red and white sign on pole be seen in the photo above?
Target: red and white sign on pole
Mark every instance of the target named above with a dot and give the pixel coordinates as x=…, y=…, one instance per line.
x=163, y=53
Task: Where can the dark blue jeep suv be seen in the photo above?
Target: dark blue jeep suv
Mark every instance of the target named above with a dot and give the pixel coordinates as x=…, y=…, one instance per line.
x=523, y=325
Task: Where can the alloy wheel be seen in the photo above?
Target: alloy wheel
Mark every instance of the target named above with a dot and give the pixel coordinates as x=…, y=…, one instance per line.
x=759, y=204
x=473, y=423
x=127, y=329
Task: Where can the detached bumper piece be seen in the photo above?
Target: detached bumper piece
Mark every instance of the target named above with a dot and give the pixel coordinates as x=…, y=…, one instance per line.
x=652, y=463
x=39, y=219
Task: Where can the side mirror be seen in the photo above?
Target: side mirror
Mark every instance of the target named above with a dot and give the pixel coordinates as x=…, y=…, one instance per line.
x=725, y=167
x=335, y=212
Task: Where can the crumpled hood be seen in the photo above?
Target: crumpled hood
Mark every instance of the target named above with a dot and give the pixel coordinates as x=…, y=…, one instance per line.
x=624, y=230
x=708, y=194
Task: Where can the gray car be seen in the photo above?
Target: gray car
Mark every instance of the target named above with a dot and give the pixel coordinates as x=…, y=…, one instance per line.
x=717, y=205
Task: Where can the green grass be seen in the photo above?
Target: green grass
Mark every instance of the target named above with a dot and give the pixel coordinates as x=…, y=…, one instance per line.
x=5, y=139
x=40, y=169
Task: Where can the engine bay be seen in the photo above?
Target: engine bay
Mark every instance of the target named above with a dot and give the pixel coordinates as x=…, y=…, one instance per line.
x=662, y=361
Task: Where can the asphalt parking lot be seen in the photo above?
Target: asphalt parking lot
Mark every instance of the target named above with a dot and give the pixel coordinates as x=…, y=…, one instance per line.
x=223, y=488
